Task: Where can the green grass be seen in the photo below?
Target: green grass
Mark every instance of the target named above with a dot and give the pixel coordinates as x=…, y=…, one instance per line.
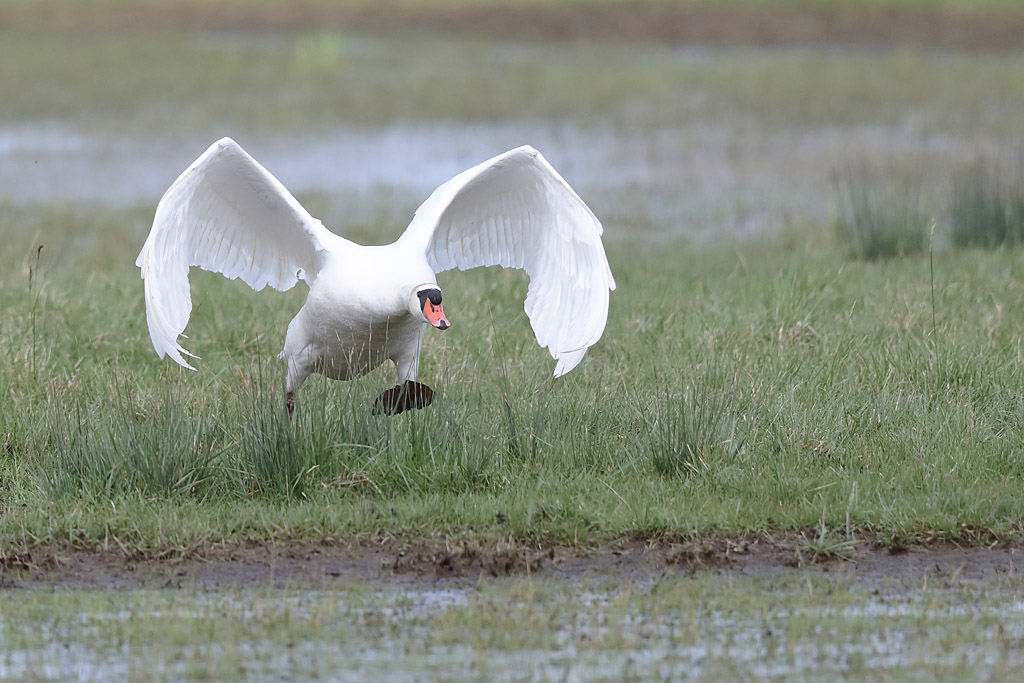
x=878, y=221
x=739, y=388
x=742, y=390
x=829, y=399
x=937, y=628
x=987, y=207
x=695, y=428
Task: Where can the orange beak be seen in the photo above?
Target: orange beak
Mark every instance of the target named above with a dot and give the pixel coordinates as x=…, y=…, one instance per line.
x=434, y=313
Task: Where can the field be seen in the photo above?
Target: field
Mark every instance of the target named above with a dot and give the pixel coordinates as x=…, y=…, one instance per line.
x=797, y=452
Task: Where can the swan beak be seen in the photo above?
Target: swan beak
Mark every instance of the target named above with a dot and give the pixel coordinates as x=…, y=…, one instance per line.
x=434, y=314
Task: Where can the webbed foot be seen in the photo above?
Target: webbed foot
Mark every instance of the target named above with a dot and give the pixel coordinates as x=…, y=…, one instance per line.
x=403, y=397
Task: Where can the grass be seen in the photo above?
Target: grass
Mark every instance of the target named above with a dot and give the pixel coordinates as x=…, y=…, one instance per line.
x=739, y=388
x=193, y=83
x=693, y=430
x=277, y=15
x=879, y=216
x=824, y=544
x=986, y=207
x=878, y=221
x=716, y=628
x=842, y=407
x=747, y=390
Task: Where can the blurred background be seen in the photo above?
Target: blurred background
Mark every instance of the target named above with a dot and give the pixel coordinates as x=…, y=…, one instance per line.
x=707, y=119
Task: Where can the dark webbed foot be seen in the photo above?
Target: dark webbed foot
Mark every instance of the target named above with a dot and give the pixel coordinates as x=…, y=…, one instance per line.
x=289, y=401
x=403, y=397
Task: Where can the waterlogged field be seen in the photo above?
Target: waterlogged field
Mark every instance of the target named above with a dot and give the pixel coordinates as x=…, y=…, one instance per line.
x=705, y=628
x=810, y=350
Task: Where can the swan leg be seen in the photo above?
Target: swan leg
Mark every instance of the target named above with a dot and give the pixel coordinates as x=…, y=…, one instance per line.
x=408, y=396
x=298, y=352
x=297, y=374
x=298, y=371
x=407, y=361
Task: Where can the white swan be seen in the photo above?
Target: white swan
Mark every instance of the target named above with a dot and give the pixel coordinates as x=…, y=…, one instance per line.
x=366, y=304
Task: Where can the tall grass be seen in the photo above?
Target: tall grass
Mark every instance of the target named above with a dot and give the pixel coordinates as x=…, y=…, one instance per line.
x=986, y=208
x=127, y=447
x=877, y=217
x=692, y=429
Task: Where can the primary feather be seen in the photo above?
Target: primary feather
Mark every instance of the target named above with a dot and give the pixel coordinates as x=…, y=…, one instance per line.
x=225, y=214
x=516, y=211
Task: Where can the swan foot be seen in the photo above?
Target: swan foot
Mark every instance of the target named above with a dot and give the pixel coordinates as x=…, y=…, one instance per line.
x=289, y=401
x=403, y=397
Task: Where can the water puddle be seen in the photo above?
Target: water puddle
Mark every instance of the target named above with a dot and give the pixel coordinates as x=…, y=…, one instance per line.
x=704, y=179
x=396, y=635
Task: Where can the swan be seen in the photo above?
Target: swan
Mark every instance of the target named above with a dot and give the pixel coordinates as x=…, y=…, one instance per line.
x=367, y=304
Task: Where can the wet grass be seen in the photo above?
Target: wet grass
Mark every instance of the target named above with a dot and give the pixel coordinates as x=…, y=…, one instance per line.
x=737, y=390
x=708, y=627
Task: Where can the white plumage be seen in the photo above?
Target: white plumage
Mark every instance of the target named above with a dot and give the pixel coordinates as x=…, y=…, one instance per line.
x=366, y=304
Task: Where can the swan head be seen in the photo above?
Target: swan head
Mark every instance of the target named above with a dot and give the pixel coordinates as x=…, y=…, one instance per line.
x=426, y=303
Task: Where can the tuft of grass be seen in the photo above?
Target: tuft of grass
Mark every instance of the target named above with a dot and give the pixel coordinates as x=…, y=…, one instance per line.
x=879, y=221
x=129, y=447
x=330, y=440
x=983, y=211
x=278, y=456
x=691, y=429
x=823, y=545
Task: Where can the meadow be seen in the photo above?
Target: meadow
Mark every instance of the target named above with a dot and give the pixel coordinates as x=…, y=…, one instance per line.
x=738, y=390
x=815, y=344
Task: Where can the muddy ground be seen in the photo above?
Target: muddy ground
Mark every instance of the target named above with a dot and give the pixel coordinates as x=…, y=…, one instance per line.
x=395, y=564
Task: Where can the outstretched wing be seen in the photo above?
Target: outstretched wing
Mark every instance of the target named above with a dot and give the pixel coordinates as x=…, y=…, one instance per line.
x=226, y=214
x=516, y=211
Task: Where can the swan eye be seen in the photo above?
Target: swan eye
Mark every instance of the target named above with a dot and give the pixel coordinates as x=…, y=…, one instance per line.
x=431, y=296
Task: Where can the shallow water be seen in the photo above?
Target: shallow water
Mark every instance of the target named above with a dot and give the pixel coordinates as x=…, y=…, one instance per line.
x=610, y=633
x=705, y=180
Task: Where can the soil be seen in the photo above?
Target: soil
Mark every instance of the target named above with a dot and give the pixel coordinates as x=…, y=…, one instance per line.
x=637, y=20
x=425, y=566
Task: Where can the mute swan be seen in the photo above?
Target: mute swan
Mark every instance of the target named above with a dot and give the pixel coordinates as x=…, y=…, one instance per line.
x=227, y=214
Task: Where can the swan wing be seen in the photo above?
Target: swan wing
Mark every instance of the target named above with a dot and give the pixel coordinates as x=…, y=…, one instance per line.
x=226, y=214
x=516, y=211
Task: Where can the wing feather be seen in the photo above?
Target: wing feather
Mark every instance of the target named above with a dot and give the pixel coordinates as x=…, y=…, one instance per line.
x=226, y=214
x=515, y=210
